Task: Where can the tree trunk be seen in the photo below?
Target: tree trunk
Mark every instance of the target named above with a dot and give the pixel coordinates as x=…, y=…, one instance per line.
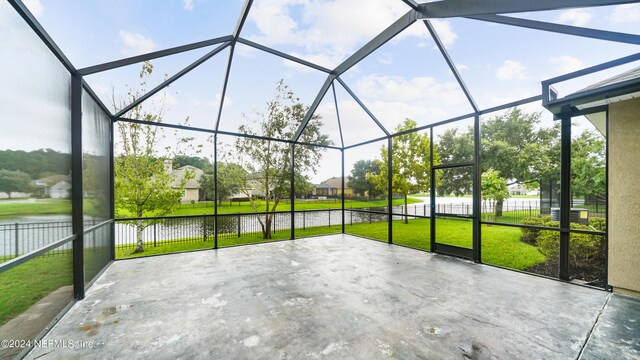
x=139, y=228
x=266, y=229
x=498, y=209
x=406, y=209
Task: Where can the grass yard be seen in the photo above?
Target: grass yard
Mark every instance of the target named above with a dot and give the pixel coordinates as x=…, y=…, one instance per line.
x=28, y=283
x=40, y=207
x=244, y=207
x=500, y=245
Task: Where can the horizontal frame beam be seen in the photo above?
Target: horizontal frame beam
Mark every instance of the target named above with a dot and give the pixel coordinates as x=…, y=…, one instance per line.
x=283, y=55
x=152, y=55
x=593, y=69
x=561, y=29
x=601, y=93
x=462, y=8
x=170, y=80
x=33, y=254
x=511, y=104
x=219, y=132
x=366, y=142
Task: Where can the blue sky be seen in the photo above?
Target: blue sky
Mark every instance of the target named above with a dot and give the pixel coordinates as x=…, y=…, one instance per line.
x=407, y=77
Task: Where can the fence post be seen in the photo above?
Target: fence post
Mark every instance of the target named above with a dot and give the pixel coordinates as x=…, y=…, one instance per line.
x=351, y=217
x=238, y=225
x=204, y=228
x=17, y=240
x=304, y=219
x=329, y=218
x=154, y=235
x=530, y=213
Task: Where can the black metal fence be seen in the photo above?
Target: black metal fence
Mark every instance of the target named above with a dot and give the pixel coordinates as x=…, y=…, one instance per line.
x=20, y=238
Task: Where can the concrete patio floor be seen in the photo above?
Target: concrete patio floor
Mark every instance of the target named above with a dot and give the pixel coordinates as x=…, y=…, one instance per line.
x=339, y=297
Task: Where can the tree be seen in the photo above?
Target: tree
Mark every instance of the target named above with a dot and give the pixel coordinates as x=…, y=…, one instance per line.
x=14, y=181
x=360, y=180
x=494, y=186
x=268, y=161
x=232, y=179
x=201, y=163
x=588, y=165
x=96, y=185
x=516, y=146
x=143, y=186
x=37, y=163
x=411, y=168
x=302, y=185
x=456, y=146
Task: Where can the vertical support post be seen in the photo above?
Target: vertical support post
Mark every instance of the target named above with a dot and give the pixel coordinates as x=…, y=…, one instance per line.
x=112, y=191
x=342, y=156
x=432, y=195
x=565, y=196
x=76, y=186
x=390, y=188
x=477, y=192
x=215, y=191
x=293, y=191
x=155, y=235
x=17, y=240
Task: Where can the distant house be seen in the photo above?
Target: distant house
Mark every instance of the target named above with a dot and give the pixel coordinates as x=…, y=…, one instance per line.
x=254, y=188
x=54, y=186
x=520, y=189
x=61, y=190
x=332, y=188
x=192, y=186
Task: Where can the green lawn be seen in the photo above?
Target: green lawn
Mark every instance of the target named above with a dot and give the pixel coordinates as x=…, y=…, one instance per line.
x=41, y=207
x=500, y=245
x=27, y=283
x=206, y=207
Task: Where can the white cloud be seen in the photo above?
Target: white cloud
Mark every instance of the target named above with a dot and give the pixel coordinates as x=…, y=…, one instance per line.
x=445, y=31
x=462, y=67
x=135, y=43
x=332, y=28
x=401, y=89
x=575, y=17
x=622, y=14
x=187, y=5
x=511, y=70
x=564, y=64
x=425, y=99
x=386, y=59
x=35, y=6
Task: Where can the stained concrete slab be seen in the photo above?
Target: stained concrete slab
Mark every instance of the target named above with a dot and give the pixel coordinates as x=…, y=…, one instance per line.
x=616, y=334
x=335, y=296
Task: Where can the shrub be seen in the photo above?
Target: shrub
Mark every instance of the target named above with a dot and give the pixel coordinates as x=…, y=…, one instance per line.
x=598, y=223
x=529, y=236
x=584, y=249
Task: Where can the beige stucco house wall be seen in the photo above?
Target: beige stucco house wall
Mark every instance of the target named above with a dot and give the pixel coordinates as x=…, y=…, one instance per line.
x=192, y=186
x=624, y=196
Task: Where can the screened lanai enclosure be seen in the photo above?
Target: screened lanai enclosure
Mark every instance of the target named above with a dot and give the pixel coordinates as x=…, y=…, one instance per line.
x=416, y=179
